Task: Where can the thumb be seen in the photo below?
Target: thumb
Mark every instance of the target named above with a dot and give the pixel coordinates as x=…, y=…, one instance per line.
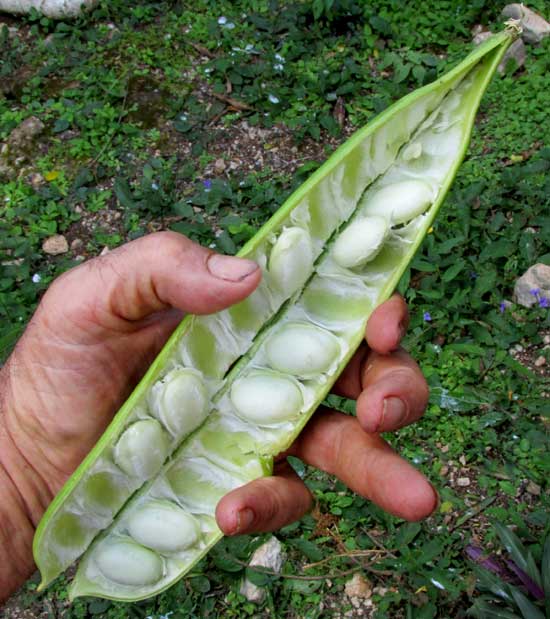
x=154, y=273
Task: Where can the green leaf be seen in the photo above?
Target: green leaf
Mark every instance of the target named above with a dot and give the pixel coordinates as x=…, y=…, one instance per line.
x=488, y=581
x=545, y=567
x=258, y=577
x=430, y=550
x=225, y=561
x=406, y=533
x=200, y=584
x=527, y=608
x=381, y=25
x=401, y=73
x=513, y=545
x=307, y=548
x=498, y=249
x=61, y=124
x=98, y=607
x=183, y=209
x=484, y=610
x=453, y=271
x=124, y=193
x=83, y=177
x=532, y=569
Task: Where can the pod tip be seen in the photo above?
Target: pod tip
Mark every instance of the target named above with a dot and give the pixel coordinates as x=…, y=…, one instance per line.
x=514, y=27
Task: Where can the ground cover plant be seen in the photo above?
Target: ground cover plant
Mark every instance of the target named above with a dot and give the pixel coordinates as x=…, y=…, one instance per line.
x=201, y=117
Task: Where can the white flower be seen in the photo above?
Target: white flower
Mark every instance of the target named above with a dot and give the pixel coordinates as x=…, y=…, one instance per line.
x=279, y=58
x=154, y=186
x=273, y=99
x=278, y=67
x=230, y=25
x=36, y=278
x=222, y=20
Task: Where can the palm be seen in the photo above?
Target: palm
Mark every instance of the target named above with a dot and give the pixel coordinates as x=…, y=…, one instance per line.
x=81, y=375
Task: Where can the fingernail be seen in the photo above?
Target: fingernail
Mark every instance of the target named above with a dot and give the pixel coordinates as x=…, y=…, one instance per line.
x=245, y=518
x=230, y=268
x=394, y=413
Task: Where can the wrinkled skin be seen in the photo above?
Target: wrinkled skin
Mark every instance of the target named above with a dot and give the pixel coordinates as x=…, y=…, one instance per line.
x=95, y=332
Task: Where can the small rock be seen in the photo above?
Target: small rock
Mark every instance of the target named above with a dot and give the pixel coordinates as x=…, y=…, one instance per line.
x=381, y=591
x=533, y=285
x=76, y=244
x=268, y=555
x=540, y=361
x=55, y=245
x=444, y=471
x=104, y=251
x=462, y=460
x=18, y=147
x=37, y=180
x=481, y=36
x=533, y=488
x=463, y=482
x=515, y=52
x=25, y=133
x=358, y=587
x=445, y=449
x=534, y=26
x=219, y=166
x=546, y=338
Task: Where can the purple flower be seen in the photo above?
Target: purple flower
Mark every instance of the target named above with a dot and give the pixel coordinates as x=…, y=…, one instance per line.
x=535, y=291
x=544, y=302
x=427, y=317
x=207, y=184
x=502, y=307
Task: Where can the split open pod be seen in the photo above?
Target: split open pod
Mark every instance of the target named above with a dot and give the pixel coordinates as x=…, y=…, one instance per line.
x=231, y=390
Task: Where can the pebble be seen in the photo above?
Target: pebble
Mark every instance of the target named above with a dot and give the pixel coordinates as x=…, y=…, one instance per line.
x=515, y=52
x=444, y=471
x=533, y=488
x=463, y=482
x=534, y=26
x=540, y=361
x=76, y=244
x=462, y=460
x=537, y=278
x=546, y=338
x=358, y=587
x=219, y=166
x=37, y=180
x=269, y=555
x=55, y=245
x=105, y=251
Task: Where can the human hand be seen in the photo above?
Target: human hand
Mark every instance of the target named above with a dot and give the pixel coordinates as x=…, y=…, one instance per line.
x=391, y=393
x=96, y=331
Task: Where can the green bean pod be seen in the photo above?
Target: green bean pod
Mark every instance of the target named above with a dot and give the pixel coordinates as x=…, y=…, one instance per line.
x=231, y=390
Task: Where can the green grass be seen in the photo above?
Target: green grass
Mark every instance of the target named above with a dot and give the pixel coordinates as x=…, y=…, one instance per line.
x=130, y=96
